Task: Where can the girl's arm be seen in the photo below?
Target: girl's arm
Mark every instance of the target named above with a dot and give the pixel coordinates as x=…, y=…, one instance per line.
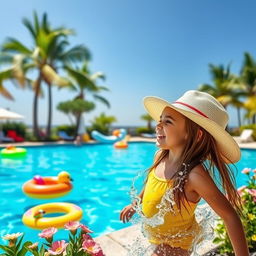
x=201, y=182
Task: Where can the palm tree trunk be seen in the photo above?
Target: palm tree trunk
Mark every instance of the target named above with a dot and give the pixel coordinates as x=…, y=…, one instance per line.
x=81, y=96
x=239, y=116
x=35, y=107
x=49, y=123
x=78, y=123
x=149, y=126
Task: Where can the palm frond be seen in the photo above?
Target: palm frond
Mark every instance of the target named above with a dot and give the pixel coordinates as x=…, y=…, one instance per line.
x=30, y=27
x=77, y=53
x=6, y=58
x=6, y=74
x=45, y=23
x=102, y=100
x=82, y=79
x=103, y=88
x=208, y=88
x=4, y=92
x=52, y=77
x=97, y=75
x=18, y=72
x=36, y=23
x=16, y=46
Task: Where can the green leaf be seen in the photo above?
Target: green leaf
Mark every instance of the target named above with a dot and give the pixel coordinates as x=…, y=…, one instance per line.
x=19, y=242
x=7, y=249
x=24, y=249
x=14, y=45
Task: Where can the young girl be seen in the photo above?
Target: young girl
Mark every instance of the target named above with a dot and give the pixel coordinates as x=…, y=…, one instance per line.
x=192, y=140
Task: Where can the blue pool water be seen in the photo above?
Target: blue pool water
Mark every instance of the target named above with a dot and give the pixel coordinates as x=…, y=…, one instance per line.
x=102, y=180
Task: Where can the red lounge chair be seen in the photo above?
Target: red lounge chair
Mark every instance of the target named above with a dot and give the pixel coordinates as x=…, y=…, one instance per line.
x=12, y=134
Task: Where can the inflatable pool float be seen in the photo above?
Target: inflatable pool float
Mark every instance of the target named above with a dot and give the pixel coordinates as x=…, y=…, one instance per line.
x=34, y=217
x=48, y=187
x=12, y=151
x=109, y=139
x=121, y=144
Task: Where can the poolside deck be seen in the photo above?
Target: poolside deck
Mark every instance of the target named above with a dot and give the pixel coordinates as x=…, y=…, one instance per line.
x=117, y=242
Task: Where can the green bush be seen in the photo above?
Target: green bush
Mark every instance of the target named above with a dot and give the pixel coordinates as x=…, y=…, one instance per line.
x=140, y=130
x=102, y=124
x=248, y=196
x=250, y=126
x=20, y=128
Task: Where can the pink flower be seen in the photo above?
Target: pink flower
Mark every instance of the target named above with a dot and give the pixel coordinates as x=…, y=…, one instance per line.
x=33, y=246
x=12, y=237
x=92, y=247
x=241, y=190
x=48, y=233
x=254, y=171
x=252, y=192
x=58, y=247
x=87, y=237
x=246, y=170
x=72, y=225
x=85, y=229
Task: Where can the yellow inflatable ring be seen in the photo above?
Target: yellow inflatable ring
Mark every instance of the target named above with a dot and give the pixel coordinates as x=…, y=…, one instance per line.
x=32, y=218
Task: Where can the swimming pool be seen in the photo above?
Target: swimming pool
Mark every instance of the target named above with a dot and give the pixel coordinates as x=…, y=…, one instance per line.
x=102, y=180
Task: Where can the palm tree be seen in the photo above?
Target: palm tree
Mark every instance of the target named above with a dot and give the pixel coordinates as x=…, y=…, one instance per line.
x=47, y=52
x=248, y=79
x=226, y=87
x=83, y=82
x=149, y=120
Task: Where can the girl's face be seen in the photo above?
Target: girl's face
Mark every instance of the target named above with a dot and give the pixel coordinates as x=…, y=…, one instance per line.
x=170, y=130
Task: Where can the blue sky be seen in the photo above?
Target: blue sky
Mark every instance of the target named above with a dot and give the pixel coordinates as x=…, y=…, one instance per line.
x=144, y=47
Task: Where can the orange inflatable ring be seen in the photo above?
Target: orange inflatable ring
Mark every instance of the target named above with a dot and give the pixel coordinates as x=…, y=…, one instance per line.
x=121, y=144
x=51, y=188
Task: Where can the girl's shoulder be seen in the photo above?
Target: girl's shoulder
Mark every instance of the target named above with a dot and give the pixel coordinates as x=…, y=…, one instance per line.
x=198, y=173
x=199, y=177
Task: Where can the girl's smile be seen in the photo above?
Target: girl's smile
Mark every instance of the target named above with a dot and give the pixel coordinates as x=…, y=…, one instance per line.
x=170, y=130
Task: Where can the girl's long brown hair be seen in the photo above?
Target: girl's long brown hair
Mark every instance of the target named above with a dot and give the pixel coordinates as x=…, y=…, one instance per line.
x=197, y=151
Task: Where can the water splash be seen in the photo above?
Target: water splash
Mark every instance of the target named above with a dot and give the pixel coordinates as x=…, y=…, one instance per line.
x=203, y=234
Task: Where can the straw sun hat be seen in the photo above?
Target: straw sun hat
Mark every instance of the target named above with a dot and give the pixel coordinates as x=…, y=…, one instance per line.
x=206, y=111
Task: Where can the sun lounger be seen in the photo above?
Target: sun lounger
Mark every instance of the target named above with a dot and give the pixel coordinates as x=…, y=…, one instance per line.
x=63, y=135
x=12, y=134
x=3, y=138
x=246, y=136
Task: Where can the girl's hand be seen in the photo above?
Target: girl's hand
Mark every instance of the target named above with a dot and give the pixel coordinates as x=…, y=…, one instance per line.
x=127, y=213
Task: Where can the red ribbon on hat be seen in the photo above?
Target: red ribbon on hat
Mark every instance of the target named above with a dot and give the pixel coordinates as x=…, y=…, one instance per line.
x=191, y=107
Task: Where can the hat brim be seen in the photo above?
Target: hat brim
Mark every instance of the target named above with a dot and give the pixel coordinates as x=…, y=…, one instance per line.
x=225, y=142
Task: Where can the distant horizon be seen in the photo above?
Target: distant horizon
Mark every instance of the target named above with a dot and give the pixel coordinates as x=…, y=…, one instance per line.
x=144, y=47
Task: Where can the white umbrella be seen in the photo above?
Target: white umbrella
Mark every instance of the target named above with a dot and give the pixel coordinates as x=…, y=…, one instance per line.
x=6, y=114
